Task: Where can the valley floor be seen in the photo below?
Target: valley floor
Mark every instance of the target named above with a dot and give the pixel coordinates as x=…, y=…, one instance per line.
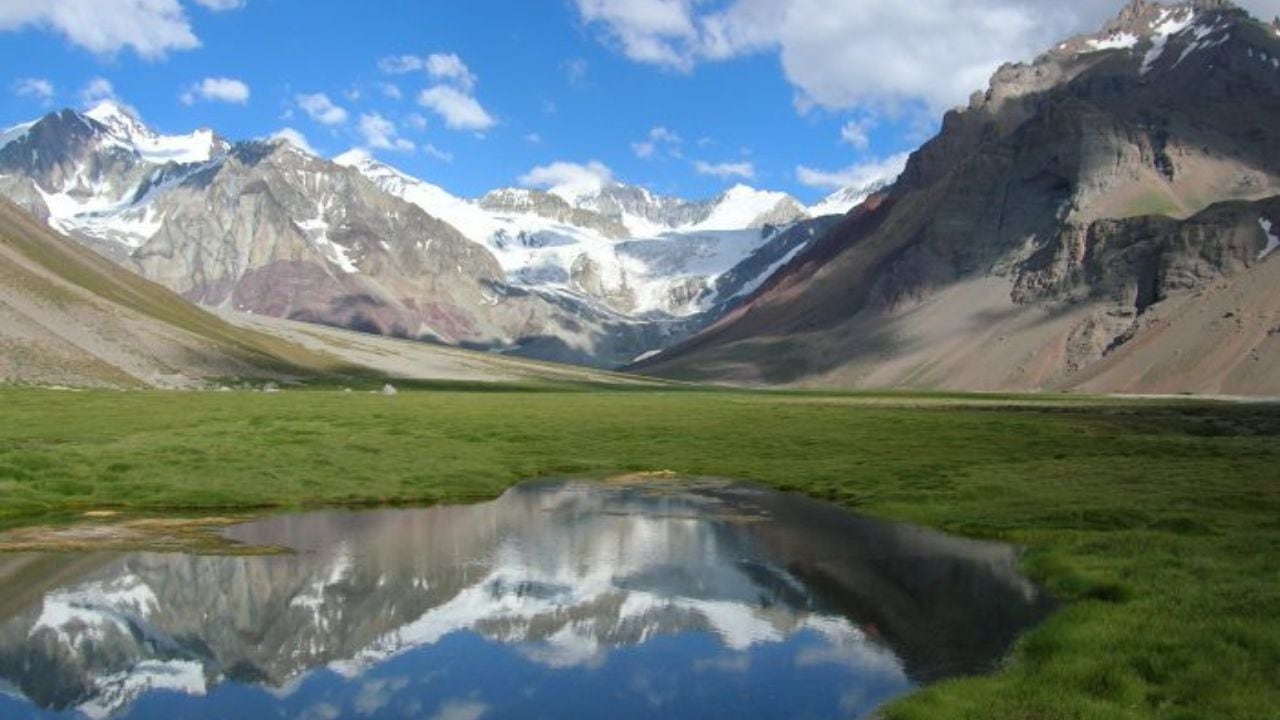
x=1155, y=522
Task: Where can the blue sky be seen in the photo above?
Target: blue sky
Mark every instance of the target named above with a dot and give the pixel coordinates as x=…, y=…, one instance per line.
x=684, y=97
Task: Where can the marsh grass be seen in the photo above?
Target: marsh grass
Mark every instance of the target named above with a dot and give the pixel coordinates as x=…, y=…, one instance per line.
x=1156, y=523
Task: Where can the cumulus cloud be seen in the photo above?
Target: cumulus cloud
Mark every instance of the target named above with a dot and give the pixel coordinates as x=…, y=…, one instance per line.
x=448, y=67
x=459, y=110
x=569, y=179
x=743, y=170
x=443, y=67
x=37, y=88
x=320, y=108
x=391, y=91
x=878, y=53
x=217, y=89
x=294, y=138
x=660, y=141
x=151, y=28
x=859, y=175
x=452, y=96
x=380, y=133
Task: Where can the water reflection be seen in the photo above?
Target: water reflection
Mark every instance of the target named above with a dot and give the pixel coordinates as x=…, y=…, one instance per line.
x=557, y=600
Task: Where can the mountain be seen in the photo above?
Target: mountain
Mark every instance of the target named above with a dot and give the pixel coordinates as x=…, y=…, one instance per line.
x=70, y=317
x=600, y=276
x=1102, y=218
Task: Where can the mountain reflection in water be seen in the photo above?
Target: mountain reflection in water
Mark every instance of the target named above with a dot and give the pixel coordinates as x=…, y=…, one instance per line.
x=559, y=599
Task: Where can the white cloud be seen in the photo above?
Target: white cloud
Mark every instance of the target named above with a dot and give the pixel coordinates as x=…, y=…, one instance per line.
x=660, y=32
x=217, y=89
x=858, y=132
x=97, y=90
x=391, y=91
x=744, y=170
x=294, y=138
x=437, y=153
x=442, y=67
x=381, y=134
x=459, y=110
x=533, y=138
x=151, y=28
x=416, y=121
x=659, y=141
x=859, y=175
x=568, y=179
x=872, y=53
x=221, y=5
x=321, y=109
x=37, y=88
x=450, y=68
x=400, y=64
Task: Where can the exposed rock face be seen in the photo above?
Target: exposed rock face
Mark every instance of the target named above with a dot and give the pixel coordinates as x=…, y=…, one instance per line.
x=69, y=317
x=619, y=201
x=551, y=207
x=1047, y=226
x=266, y=228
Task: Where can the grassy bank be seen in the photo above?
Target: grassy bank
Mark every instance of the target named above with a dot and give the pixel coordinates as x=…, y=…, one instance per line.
x=1158, y=522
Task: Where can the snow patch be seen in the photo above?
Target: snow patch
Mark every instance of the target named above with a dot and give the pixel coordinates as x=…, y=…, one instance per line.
x=15, y=133
x=740, y=207
x=84, y=614
x=317, y=231
x=646, y=355
x=1166, y=26
x=129, y=132
x=1273, y=241
x=1118, y=41
x=118, y=691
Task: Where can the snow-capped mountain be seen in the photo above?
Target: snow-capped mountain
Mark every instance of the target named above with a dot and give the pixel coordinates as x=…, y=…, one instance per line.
x=638, y=253
x=598, y=276
x=1088, y=222
x=845, y=199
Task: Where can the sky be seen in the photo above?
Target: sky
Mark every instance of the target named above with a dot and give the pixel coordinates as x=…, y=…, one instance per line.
x=685, y=97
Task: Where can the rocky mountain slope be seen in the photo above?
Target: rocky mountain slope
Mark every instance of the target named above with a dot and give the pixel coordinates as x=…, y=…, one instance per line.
x=70, y=317
x=1103, y=218
x=597, y=277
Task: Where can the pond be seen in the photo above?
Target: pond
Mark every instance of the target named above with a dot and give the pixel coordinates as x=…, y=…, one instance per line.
x=559, y=599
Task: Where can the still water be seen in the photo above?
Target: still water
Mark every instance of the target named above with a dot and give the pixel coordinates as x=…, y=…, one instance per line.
x=558, y=600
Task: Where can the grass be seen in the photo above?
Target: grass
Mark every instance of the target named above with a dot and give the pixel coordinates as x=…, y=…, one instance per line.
x=1157, y=523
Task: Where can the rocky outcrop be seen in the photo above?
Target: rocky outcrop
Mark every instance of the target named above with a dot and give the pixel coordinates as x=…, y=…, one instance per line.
x=551, y=207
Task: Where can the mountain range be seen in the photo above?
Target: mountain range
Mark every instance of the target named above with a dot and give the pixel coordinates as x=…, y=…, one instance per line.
x=1101, y=218
x=596, y=277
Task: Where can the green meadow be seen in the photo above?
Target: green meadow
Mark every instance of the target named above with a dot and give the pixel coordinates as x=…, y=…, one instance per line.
x=1156, y=524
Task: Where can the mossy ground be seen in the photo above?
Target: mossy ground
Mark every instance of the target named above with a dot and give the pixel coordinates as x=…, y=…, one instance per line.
x=1157, y=523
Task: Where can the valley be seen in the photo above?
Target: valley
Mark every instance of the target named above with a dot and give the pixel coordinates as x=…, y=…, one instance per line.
x=659, y=358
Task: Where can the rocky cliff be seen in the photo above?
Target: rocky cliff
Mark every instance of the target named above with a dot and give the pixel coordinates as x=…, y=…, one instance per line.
x=1100, y=218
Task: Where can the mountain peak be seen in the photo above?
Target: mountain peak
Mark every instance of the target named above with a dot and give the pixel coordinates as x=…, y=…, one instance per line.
x=119, y=119
x=356, y=158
